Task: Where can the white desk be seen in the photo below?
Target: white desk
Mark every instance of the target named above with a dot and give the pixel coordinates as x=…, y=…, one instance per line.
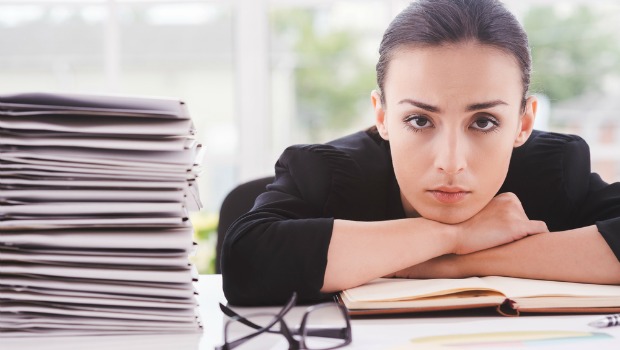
x=369, y=333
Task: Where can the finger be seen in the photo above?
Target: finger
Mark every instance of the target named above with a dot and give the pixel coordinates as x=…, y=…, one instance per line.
x=509, y=197
x=536, y=226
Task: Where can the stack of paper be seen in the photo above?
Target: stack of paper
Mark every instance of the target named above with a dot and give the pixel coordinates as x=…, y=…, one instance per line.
x=94, y=233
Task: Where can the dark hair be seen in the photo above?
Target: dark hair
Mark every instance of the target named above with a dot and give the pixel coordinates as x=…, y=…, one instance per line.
x=436, y=22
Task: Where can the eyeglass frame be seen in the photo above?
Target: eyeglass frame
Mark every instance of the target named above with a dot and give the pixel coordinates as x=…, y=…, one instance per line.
x=303, y=331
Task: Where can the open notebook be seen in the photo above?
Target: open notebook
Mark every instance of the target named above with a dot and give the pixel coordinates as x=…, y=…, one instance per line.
x=510, y=296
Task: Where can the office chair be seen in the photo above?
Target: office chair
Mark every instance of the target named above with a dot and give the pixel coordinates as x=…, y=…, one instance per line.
x=238, y=202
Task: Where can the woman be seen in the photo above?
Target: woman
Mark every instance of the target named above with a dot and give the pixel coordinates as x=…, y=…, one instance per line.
x=451, y=182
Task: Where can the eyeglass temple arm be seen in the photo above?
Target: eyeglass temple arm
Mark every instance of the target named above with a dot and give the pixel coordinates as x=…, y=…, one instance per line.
x=230, y=313
x=319, y=332
x=336, y=333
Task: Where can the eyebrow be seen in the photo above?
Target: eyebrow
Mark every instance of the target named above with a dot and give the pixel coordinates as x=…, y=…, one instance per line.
x=469, y=108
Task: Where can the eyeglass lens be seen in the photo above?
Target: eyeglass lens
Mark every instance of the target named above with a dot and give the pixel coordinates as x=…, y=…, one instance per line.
x=235, y=329
x=325, y=328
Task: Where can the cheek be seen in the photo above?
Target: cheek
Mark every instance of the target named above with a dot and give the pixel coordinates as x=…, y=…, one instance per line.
x=489, y=163
x=408, y=172
x=413, y=168
x=410, y=159
x=492, y=156
x=490, y=176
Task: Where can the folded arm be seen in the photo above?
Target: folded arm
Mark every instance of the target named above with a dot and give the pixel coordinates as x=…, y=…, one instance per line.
x=578, y=255
x=362, y=251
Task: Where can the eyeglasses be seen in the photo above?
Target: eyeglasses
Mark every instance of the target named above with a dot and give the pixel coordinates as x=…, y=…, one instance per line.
x=312, y=334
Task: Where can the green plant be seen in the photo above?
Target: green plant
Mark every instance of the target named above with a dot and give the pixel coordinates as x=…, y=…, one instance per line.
x=205, y=235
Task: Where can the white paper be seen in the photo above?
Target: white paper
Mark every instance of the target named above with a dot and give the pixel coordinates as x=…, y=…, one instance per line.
x=120, y=301
x=101, y=311
x=177, y=275
x=101, y=156
x=101, y=298
x=46, y=175
x=76, y=334
x=94, y=209
x=170, y=290
x=180, y=239
x=539, y=288
x=15, y=321
x=94, y=230
x=123, y=105
x=82, y=168
x=102, y=251
x=98, y=184
x=31, y=224
x=137, y=144
x=121, y=126
x=388, y=289
x=107, y=195
x=64, y=163
x=92, y=259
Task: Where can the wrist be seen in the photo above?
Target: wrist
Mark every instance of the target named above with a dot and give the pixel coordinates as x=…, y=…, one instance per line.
x=447, y=235
x=453, y=234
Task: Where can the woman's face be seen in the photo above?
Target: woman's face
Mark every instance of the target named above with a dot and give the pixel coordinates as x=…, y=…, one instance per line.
x=452, y=115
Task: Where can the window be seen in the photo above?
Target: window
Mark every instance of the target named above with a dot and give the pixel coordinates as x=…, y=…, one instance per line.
x=158, y=48
x=261, y=75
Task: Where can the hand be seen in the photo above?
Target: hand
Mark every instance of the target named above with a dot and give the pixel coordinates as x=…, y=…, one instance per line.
x=502, y=221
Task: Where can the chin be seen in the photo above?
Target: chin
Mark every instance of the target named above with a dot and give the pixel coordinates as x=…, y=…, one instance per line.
x=449, y=216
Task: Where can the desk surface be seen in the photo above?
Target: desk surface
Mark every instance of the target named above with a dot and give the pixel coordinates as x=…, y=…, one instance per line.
x=369, y=333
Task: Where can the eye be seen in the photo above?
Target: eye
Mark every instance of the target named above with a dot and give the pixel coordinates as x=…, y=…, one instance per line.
x=418, y=123
x=485, y=124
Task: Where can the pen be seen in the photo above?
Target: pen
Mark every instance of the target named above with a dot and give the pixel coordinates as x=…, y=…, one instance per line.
x=608, y=321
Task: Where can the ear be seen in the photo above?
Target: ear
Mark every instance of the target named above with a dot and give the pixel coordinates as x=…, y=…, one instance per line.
x=380, y=121
x=526, y=122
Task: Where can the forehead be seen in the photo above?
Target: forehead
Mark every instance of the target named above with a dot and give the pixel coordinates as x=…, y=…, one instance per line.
x=453, y=72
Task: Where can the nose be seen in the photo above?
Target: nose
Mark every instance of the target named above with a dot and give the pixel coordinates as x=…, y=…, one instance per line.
x=450, y=152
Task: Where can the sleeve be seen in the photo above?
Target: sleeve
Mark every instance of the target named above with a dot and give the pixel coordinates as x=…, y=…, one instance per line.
x=595, y=202
x=281, y=245
x=552, y=177
x=602, y=208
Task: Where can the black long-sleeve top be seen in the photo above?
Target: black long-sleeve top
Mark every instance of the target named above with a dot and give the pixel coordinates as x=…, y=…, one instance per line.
x=281, y=245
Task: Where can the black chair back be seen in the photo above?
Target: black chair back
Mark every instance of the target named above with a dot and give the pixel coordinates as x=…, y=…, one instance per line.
x=238, y=202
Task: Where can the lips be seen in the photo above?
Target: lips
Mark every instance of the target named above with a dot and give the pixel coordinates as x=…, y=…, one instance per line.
x=449, y=195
